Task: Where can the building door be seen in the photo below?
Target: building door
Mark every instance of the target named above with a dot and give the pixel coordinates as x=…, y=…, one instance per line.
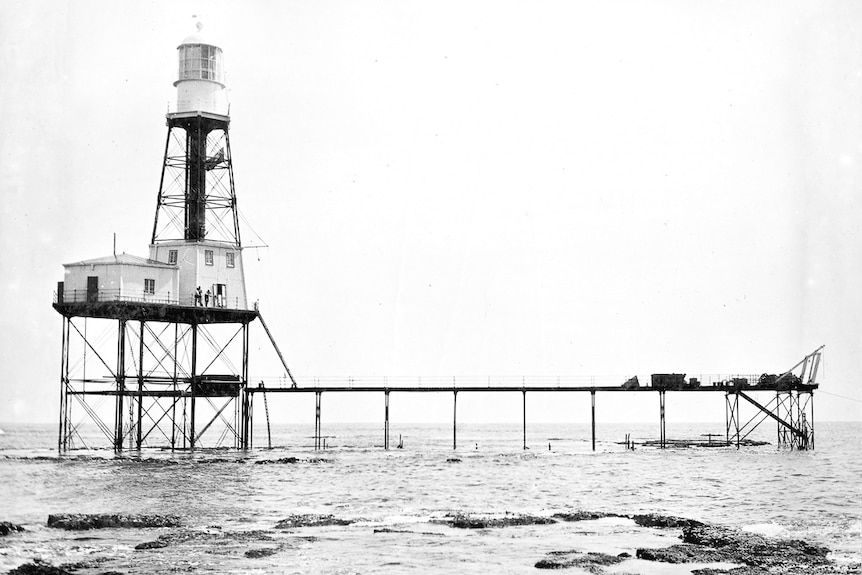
x=92, y=289
x=221, y=295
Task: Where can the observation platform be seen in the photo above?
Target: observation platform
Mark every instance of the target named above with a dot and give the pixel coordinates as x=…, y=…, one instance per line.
x=160, y=311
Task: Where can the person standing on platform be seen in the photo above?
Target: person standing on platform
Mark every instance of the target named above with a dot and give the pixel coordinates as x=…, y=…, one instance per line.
x=207, y=298
x=198, y=296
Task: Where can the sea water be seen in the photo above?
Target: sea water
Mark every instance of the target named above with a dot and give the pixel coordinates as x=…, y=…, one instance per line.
x=398, y=501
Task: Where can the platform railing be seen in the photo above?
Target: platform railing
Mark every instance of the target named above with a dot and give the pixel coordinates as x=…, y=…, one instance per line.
x=126, y=295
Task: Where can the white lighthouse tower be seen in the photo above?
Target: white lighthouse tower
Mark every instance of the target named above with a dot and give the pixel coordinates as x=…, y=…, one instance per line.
x=196, y=225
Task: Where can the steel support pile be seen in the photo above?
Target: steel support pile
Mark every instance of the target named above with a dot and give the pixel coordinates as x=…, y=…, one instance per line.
x=162, y=378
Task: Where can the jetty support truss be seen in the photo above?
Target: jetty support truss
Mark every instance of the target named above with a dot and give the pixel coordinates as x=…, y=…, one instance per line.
x=792, y=407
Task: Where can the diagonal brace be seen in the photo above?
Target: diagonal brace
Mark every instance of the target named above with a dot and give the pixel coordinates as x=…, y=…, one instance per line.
x=793, y=430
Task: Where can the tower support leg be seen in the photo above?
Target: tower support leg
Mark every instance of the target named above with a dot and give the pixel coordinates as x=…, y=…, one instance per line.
x=62, y=443
x=174, y=385
x=121, y=383
x=194, y=385
x=140, y=423
x=244, y=396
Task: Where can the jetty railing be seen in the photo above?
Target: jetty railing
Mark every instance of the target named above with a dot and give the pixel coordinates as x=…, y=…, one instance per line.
x=586, y=382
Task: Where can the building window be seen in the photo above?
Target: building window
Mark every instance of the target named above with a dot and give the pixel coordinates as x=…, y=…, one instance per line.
x=149, y=287
x=230, y=261
x=172, y=256
x=208, y=257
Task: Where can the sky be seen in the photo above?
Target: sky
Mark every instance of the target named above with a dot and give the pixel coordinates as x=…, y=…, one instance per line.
x=465, y=188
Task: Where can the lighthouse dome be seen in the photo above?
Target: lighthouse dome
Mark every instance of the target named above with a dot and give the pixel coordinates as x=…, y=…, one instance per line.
x=199, y=37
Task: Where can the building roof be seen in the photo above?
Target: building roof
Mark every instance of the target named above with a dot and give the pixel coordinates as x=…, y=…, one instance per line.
x=122, y=259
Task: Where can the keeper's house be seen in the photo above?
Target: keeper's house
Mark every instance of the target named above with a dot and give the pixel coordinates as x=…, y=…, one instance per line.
x=171, y=276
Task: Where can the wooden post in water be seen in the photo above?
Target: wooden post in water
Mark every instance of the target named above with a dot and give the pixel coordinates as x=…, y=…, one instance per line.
x=386, y=421
x=455, y=422
x=593, y=427
x=524, y=393
x=317, y=398
x=662, y=433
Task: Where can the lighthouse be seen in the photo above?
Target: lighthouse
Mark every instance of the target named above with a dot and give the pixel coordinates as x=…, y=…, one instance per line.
x=196, y=225
x=165, y=338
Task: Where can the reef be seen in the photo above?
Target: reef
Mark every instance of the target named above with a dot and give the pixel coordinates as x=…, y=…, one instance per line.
x=664, y=521
x=752, y=554
x=38, y=568
x=258, y=553
x=292, y=460
x=590, y=562
x=6, y=528
x=463, y=521
x=583, y=515
x=295, y=521
x=82, y=522
x=151, y=545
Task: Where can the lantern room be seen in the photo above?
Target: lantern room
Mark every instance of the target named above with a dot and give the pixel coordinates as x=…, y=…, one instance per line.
x=200, y=81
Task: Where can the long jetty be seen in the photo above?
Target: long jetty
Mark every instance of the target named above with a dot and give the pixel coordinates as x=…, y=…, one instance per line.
x=791, y=407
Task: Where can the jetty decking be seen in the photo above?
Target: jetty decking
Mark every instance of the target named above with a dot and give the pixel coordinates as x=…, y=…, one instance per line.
x=787, y=389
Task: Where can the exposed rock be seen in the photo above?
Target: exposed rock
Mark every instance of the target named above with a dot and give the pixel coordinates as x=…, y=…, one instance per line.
x=308, y=520
x=281, y=460
x=684, y=553
x=6, y=528
x=389, y=530
x=756, y=550
x=453, y=460
x=80, y=521
x=664, y=521
x=158, y=544
x=746, y=570
x=183, y=536
x=292, y=460
x=38, y=568
x=757, y=555
x=257, y=553
x=88, y=564
x=590, y=562
x=473, y=522
x=583, y=515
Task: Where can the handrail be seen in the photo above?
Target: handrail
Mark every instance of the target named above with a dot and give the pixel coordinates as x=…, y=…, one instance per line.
x=139, y=295
x=727, y=382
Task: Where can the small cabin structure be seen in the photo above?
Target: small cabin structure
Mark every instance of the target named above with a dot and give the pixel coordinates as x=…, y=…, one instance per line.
x=121, y=277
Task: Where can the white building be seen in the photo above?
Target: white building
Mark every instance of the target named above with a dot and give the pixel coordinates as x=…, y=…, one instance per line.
x=121, y=277
x=209, y=265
